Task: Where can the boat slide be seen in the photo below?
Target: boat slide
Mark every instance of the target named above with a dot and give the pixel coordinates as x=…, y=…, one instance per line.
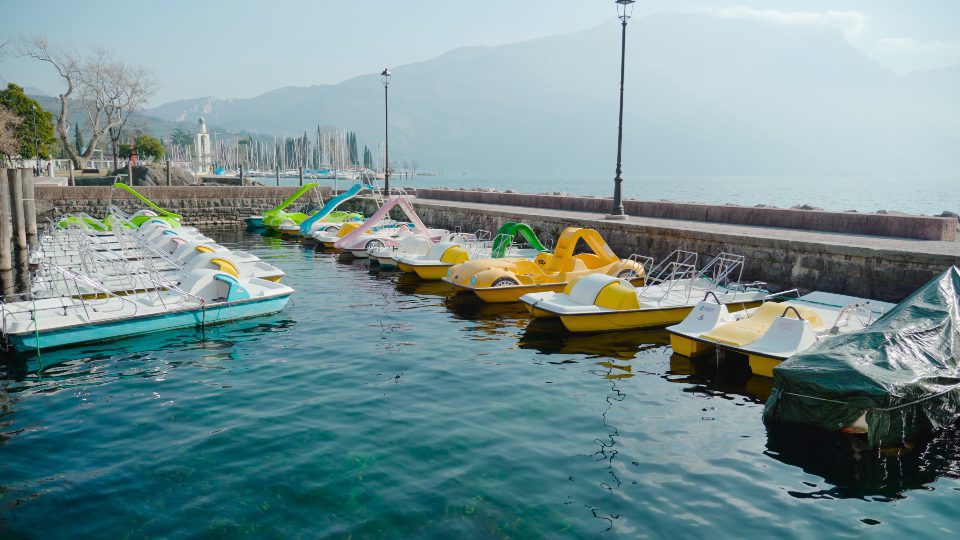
x=506, y=280
x=308, y=225
x=434, y=262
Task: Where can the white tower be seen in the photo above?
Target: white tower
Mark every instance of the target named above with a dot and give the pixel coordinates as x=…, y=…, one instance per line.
x=202, y=144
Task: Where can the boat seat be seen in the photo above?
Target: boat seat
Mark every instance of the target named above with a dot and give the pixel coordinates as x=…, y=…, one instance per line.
x=587, y=288
x=235, y=290
x=705, y=316
x=746, y=331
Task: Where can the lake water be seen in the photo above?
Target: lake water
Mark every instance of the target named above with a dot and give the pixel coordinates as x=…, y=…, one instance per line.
x=376, y=406
x=929, y=196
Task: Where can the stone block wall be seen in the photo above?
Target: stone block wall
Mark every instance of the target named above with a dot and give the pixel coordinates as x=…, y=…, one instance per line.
x=880, y=274
x=888, y=225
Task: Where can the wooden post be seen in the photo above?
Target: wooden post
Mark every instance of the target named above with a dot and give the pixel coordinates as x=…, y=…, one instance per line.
x=301, y=175
x=278, y=175
x=72, y=181
x=241, y=174
x=6, y=237
x=22, y=272
x=168, y=174
x=130, y=172
x=27, y=181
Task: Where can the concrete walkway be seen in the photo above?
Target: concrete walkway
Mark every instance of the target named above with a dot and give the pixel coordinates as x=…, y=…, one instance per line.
x=856, y=243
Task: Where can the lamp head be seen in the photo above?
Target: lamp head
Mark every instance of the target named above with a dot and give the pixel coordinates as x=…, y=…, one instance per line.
x=624, y=9
x=385, y=75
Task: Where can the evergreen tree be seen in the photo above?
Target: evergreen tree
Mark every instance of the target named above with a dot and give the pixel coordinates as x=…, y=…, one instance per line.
x=352, y=148
x=78, y=138
x=367, y=157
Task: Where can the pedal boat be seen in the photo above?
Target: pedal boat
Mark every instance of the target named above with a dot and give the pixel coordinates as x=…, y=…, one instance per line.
x=365, y=238
x=775, y=331
x=603, y=303
x=506, y=280
x=204, y=297
x=433, y=265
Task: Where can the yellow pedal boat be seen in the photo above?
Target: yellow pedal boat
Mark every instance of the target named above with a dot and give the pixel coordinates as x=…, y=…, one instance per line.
x=507, y=279
x=603, y=303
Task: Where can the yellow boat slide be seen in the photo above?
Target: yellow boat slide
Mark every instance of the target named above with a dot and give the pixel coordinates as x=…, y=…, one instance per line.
x=507, y=279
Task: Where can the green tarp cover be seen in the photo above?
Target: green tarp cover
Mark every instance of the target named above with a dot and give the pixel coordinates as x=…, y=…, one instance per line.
x=903, y=371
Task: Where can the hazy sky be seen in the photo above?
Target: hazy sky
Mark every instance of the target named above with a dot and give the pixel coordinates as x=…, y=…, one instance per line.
x=243, y=48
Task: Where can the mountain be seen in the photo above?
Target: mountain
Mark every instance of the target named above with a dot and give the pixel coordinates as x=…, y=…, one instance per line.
x=704, y=95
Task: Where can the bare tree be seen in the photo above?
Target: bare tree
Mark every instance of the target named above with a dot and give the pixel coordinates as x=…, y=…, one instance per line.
x=107, y=89
x=9, y=143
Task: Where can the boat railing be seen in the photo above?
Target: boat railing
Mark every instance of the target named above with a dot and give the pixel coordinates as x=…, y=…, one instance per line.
x=725, y=270
x=673, y=273
x=636, y=260
x=483, y=235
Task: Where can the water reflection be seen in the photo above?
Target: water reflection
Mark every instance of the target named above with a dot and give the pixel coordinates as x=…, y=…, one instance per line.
x=101, y=362
x=549, y=337
x=851, y=469
x=707, y=376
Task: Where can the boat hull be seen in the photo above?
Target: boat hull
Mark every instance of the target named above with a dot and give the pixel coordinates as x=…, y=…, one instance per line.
x=503, y=295
x=432, y=272
x=170, y=320
x=687, y=347
x=634, y=319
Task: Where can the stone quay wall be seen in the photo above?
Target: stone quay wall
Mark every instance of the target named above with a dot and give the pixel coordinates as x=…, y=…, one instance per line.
x=200, y=205
x=886, y=269
x=783, y=261
x=874, y=224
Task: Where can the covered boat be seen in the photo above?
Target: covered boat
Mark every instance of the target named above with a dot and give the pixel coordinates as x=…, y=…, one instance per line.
x=896, y=378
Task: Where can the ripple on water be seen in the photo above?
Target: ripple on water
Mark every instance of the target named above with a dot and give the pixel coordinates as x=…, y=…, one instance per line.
x=380, y=406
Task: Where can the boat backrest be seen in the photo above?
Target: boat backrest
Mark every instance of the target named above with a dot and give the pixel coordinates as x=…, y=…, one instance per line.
x=704, y=317
x=785, y=337
x=437, y=250
x=587, y=288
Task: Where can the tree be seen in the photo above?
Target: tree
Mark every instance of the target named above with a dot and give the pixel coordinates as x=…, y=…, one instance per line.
x=27, y=133
x=149, y=147
x=9, y=144
x=367, y=157
x=108, y=90
x=77, y=138
x=180, y=137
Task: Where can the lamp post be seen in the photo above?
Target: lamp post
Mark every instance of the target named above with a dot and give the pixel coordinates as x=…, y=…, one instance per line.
x=385, y=75
x=624, y=10
x=36, y=139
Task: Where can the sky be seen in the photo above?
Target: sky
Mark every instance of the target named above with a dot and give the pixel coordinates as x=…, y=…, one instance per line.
x=243, y=48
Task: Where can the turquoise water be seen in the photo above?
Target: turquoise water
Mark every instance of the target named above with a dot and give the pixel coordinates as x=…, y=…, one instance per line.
x=379, y=407
x=920, y=195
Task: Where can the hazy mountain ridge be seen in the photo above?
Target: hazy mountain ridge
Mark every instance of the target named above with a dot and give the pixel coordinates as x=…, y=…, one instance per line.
x=704, y=96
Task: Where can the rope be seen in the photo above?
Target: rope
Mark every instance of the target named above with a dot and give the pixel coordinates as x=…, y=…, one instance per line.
x=880, y=409
x=36, y=334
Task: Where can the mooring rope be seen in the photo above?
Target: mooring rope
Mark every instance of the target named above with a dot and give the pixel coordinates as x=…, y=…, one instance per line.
x=880, y=409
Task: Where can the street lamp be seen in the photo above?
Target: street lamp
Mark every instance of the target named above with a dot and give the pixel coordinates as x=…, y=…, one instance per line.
x=624, y=10
x=385, y=75
x=36, y=139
